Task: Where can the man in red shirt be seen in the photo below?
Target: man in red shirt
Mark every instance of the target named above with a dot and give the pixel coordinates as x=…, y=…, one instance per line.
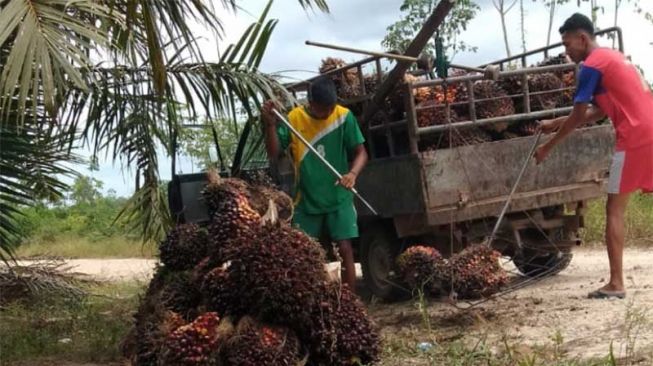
x=609, y=85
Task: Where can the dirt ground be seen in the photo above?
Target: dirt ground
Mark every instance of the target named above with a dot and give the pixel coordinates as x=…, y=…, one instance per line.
x=553, y=307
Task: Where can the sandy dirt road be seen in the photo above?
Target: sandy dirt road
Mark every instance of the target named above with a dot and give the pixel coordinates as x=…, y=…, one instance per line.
x=127, y=269
x=553, y=307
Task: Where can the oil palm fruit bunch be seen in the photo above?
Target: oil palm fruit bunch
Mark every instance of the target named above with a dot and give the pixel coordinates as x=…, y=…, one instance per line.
x=569, y=82
x=421, y=268
x=222, y=295
x=231, y=213
x=222, y=191
x=560, y=59
x=253, y=343
x=347, y=84
x=149, y=323
x=357, y=337
x=476, y=272
x=180, y=294
x=431, y=113
x=191, y=344
x=492, y=101
x=184, y=246
x=279, y=273
x=545, y=91
x=258, y=177
x=340, y=332
x=512, y=85
x=261, y=195
x=526, y=128
x=371, y=83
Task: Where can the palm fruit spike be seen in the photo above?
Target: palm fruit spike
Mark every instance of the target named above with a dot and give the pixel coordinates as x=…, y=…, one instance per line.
x=184, y=247
x=222, y=295
x=232, y=215
x=149, y=325
x=260, y=196
x=545, y=90
x=278, y=273
x=421, y=268
x=434, y=113
x=492, y=101
x=258, y=344
x=191, y=344
x=347, y=83
x=344, y=316
x=569, y=82
x=180, y=294
x=476, y=272
x=220, y=191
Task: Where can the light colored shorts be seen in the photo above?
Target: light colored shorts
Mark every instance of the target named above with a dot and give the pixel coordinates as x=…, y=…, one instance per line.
x=632, y=170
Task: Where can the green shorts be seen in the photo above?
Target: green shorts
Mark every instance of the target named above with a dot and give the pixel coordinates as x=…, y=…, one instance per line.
x=337, y=225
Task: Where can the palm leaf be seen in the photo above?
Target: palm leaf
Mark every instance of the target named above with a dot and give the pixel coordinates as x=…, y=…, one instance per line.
x=48, y=43
x=32, y=165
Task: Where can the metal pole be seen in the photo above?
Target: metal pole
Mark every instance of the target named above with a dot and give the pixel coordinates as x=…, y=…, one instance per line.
x=393, y=56
x=514, y=188
x=321, y=158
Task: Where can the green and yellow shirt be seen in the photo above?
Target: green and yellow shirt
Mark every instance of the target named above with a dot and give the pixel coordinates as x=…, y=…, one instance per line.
x=335, y=139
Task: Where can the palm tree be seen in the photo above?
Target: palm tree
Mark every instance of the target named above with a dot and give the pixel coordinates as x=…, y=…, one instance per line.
x=53, y=96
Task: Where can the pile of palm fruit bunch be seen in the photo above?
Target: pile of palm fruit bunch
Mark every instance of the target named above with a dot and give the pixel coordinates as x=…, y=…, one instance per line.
x=347, y=82
x=472, y=273
x=247, y=289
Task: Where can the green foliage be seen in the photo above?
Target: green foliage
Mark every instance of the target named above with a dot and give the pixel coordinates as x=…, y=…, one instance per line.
x=198, y=143
x=639, y=216
x=85, y=331
x=128, y=105
x=414, y=14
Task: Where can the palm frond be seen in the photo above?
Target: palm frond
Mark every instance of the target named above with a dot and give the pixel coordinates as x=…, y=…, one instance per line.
x=49, y=43
x=32, y=165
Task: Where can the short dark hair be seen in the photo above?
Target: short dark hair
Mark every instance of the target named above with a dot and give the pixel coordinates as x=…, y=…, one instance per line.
x=577, y=22
x=323, y=91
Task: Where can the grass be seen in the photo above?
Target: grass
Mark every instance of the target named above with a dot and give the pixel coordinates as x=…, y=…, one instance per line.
x=639, y=221
x=401, y=349
x=73, y=246
x=86, y=331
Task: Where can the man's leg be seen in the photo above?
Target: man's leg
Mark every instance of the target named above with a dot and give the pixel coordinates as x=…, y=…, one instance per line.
x=342, y=225
x=348, y=270
x=615, y=233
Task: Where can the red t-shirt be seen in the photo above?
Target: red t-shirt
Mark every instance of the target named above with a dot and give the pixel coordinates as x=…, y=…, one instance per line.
x=608, y=80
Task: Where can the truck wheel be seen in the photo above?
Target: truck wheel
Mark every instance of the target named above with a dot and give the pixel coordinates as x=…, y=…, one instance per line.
x=533, y=262
x=379, y=250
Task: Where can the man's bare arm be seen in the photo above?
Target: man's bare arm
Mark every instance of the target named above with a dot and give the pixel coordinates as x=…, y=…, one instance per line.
x=360, y=159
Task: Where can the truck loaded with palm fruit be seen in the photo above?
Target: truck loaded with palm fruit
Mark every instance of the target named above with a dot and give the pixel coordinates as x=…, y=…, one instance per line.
x=445, y=153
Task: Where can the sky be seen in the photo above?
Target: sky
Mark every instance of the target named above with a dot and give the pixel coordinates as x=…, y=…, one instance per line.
x=363, y=23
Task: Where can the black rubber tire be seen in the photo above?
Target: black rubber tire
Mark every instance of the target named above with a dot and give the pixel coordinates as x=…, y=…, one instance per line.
x=379, y=251
x=533, y=264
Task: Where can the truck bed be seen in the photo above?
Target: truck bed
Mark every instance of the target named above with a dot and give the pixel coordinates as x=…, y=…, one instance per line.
x=472, y=182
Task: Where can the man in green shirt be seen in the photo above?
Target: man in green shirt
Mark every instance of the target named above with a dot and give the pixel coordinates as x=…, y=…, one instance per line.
x=324, y=206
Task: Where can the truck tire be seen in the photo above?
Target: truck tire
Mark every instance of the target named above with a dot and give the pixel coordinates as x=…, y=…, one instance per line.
x=379, y=250
x=534, y=262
